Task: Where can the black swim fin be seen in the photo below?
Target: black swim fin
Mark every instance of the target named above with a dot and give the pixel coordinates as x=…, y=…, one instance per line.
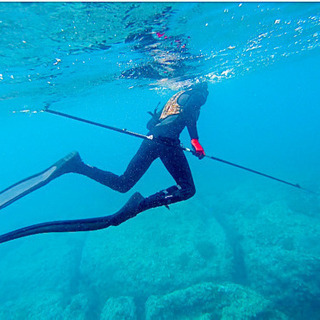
x=28, y=185
x=129, y=210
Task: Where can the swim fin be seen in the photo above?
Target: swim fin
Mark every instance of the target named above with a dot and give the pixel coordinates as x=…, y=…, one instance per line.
x=28, y=185
x=129, y=210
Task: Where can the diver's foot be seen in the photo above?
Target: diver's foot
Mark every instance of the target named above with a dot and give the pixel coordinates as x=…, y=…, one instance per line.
x=70, y=163
x=129, y=210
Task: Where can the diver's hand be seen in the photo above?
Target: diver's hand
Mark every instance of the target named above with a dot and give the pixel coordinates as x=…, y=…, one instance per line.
x=198, y=148
x=154, y=114
x=154, y=118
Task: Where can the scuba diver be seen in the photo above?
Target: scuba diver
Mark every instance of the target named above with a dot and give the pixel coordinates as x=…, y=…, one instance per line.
x=182, y=110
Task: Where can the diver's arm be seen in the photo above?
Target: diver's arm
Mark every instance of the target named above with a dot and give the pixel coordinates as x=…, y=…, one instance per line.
x=193, y=132
x=191, y=105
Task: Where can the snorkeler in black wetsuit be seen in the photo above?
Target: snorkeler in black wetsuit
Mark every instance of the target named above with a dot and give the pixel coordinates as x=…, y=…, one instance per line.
x=181, y=111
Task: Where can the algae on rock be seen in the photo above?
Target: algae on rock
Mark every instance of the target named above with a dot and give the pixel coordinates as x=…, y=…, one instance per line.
x=121, y=308
x=157, y=252
x=211, y=301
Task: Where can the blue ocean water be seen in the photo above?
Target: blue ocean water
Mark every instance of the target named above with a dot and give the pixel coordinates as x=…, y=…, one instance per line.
x=242, y=235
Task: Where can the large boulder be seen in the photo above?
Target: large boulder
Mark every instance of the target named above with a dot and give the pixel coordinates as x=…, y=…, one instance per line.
x=157, y=252
x=283, y=258
x=279, y=233
x=120, y=308
x=39, y=263
x=78, y=308
x=51, y=305
x=211, y=301
x=43, y=305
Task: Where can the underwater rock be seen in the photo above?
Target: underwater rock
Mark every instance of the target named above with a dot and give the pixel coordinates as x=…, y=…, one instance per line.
x=211, y=301
x=49, y=305
x=282, y=257
x=44, y=305
x=159, y=251
x=77, y=309
x=39, y=263
x=288, y=278
x=121, y=308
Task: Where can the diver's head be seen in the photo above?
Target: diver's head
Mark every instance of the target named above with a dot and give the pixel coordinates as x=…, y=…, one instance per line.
x=202, y=86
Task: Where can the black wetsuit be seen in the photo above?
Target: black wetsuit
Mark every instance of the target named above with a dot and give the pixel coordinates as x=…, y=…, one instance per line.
x=169, y=130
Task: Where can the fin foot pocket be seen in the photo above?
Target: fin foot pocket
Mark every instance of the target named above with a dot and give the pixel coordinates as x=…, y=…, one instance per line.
x=129, y=210
x=30, y=184
x=67, y=164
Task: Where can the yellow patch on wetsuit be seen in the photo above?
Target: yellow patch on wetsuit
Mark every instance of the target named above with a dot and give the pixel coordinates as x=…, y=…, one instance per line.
x=172, y=106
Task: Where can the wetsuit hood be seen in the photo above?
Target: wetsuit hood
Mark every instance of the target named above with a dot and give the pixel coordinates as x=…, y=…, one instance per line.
x=202, y=87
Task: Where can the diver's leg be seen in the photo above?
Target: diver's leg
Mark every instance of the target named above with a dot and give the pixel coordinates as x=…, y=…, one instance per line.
x=139, y=164
x=177, y=165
